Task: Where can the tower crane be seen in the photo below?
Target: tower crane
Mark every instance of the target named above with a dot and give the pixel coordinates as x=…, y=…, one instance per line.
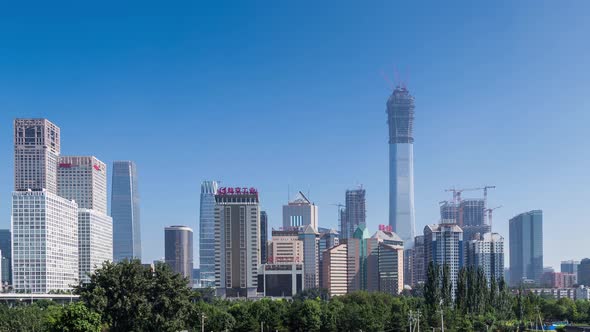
x=489, y=211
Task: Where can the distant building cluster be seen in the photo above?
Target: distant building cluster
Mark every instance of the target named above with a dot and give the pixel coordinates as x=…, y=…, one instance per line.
x=61, y=230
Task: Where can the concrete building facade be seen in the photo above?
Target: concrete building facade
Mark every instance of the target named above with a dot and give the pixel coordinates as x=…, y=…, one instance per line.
x=300, y=212
x=486, y=251
x=237, y=242
x=335, y=270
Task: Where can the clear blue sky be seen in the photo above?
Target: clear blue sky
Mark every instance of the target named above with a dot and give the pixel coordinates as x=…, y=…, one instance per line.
x=272, y=94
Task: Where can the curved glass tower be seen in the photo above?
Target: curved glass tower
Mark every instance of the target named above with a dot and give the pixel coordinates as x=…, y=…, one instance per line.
x=400, y=118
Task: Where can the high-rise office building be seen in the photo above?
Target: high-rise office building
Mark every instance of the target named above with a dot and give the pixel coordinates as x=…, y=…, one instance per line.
x=329, y=238
x=357, y=259
x=570, y=266
x=44, y=225
x=36, y=150
x=84, y=180
x=178, y=250
x=418, y=267
x=125, y=212
x=300, y=212
x=584, y=272
x=335, y=270
x=526, y=247
x=263, y=236
x=285, y=247
x=443, y=245
x=44, y=242
x=486, y=251
x=310, y=238
x=237, y=242
x=355, y=213
x=400, y=119
x=5, y=257
x=385, y=262
x=207, y=233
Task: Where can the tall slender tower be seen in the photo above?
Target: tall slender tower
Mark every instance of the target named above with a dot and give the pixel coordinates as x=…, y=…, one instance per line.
x=400, y=118
x=125, y=212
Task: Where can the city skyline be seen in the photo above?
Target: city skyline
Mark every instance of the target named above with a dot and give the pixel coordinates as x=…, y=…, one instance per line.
x=498, y=114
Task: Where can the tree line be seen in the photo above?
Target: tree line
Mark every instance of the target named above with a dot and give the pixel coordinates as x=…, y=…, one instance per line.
x=127, y=296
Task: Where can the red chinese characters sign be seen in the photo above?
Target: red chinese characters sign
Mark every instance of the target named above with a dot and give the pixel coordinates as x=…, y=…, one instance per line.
x=237, y=191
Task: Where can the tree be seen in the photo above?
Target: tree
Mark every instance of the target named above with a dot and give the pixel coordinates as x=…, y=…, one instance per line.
x=77, y=318
x=306, y=316
x=132, y=297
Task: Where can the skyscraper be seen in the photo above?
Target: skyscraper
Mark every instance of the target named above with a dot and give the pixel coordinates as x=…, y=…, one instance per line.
x=357, y=259
x=237, y=242
x=207, y=233
x=472, y=212
x=178, y=250
x=335, y=270
x=263, y=236
x=84, y=180
x=44, y=225
x=443, y=245
x=355, y=213
x=526, y=247
x=300, y=212
x=400, y=118
x=310, y=239
x=486, y=251
x=5, y=257
x=571, y=266
x=418, y=267
x=584, y=272
x=125, y=212
x=329, y=238
x=36, y=150
x=386, y=262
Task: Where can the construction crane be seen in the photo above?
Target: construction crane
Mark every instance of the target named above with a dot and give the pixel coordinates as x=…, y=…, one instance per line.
x=489, y=212
x=340, y=208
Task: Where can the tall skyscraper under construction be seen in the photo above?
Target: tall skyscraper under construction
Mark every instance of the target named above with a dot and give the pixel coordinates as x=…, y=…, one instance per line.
x=400, y=118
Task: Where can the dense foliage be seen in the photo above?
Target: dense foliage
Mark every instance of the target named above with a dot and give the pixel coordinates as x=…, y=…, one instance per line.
x=130, y=297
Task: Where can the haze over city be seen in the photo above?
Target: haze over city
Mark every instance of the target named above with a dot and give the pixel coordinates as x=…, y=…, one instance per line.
x=282, y=97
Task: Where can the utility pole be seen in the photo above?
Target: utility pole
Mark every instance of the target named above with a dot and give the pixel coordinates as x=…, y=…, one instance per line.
x=418, y=313
x=410, y=320
x=261, y=326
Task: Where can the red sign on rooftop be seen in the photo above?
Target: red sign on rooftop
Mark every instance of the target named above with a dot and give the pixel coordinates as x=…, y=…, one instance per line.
x=386, y=228
x=96, y=167
x=237, y=191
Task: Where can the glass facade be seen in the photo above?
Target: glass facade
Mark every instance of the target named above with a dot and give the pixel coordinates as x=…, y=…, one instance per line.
x=526, y=247
x=178, y=243
x=5, y=256
x=125, y=212
x=263, y=236
x=207, y=233
x=400, y=119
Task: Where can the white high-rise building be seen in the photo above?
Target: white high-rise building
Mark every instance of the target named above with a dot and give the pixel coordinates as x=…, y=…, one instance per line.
x=44, y=225
x=44, y=242
x=237, y=242
x=95, y=233
x=487, y=251
x=83, y=179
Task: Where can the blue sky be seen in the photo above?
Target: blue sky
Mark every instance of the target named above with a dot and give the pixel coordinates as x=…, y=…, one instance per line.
x=278, y=94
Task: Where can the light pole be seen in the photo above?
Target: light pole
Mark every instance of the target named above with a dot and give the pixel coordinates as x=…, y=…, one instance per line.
x=203, y=322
